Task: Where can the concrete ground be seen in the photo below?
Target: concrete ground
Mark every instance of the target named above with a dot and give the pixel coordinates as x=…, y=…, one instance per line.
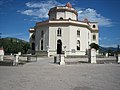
x=45, y=75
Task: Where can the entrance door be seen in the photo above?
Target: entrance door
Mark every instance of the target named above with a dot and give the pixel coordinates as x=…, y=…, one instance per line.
x=59, y=46
x=33, y=46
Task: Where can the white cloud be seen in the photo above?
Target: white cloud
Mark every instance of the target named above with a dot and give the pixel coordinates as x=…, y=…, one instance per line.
x=112, y=45
x=92, y=15
x=13, y=34
x=39, y=10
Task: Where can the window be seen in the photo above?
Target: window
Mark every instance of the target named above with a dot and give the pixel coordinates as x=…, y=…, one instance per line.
x=61, y=18
x=41, y=44
x=88, y=35
x=94, y=26
x=78, y=33
x=94, y=37
x=78, y=45
x=59, y=32
x=42, y=33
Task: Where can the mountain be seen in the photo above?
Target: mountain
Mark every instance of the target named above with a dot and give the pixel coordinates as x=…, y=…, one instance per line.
x=107, y=49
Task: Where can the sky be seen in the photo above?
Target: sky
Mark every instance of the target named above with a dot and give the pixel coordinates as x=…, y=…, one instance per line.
x=17, y=16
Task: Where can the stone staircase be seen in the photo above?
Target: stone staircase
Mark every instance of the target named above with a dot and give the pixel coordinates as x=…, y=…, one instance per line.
x=41, y=53
x=77, y=56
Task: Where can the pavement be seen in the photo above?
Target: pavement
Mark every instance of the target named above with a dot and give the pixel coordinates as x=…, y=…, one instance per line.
x=45, y=75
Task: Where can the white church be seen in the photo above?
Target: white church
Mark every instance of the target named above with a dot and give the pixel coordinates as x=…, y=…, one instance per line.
x=63, y=33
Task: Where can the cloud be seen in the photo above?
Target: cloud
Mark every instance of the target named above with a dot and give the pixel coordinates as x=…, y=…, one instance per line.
x=14, y=34
x=108, y=45
x=92, y=15
x=39, y=10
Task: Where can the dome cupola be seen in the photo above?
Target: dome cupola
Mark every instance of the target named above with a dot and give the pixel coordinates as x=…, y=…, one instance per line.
x=63, y=12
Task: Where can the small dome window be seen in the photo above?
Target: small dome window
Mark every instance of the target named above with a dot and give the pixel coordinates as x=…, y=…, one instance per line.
x=94, y=26
x=61, y=18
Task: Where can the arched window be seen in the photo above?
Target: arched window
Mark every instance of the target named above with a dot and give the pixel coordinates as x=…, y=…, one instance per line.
x=94, y=37
x=61, y=18
x=94, y=26
x=78, y=45
x=59, y=32
x=78, y=33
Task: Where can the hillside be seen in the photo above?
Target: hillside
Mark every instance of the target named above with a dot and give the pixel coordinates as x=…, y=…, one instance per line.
x=111, y=50
x=14, y=45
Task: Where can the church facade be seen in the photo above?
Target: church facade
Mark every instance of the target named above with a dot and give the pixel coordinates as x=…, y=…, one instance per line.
x=63, y=33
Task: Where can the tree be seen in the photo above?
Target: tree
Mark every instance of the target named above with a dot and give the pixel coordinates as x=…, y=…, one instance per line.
x=14, y=45
x=94, y=45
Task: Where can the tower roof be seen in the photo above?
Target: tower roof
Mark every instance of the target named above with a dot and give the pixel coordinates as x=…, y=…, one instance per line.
x=68, y=5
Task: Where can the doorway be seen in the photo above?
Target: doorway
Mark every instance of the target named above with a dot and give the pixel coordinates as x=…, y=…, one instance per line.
x=59, y=46
x=33, y=46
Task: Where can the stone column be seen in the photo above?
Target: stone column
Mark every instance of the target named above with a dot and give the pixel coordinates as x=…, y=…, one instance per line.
x=92, y=55
x=59, y=58
x=62, y=61
x=1, y=54
x=56, y=59
x=1, y=57
x=118, y=58
x=15, y=62
x=106, y=54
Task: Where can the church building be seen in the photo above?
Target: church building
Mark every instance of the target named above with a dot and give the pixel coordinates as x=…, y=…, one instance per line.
x=63, y=33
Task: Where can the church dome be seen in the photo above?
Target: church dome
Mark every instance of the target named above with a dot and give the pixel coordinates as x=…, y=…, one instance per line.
x=63, y=12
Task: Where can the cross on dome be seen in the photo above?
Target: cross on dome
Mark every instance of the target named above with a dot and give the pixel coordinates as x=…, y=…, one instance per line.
x=68, y=5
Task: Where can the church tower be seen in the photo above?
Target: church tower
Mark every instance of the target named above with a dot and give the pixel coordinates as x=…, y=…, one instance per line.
x=63, y=33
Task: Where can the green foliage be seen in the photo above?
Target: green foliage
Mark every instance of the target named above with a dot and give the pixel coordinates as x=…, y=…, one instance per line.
x=13, y=45
x=94, y=45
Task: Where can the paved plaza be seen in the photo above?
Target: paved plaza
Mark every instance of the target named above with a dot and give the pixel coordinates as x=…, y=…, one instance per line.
x=45, y=75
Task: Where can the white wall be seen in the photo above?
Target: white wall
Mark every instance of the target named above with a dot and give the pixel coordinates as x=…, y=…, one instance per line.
x=53, y=36
x=38, y=38
x=69, y=38
x=66, y=15
x=83, y=39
